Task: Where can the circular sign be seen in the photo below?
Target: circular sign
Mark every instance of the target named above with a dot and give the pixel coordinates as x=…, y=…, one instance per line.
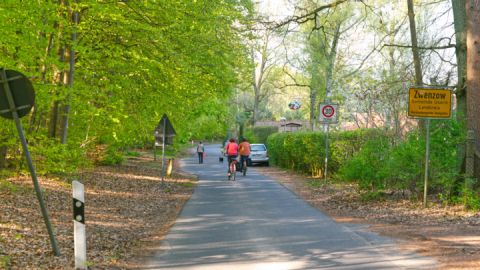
x=294, y=105
x=328, y=111
x=22, y=93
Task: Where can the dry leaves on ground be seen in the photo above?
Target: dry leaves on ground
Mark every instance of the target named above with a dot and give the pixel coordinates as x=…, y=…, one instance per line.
x=126, y=208
x=449, y=234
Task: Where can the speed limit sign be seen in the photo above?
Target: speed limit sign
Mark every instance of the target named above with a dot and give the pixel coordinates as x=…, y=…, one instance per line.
x=328, y=113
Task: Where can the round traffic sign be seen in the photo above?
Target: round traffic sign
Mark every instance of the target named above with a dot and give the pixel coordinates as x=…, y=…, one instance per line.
x=22, y=93
x=328, y=111
x=294, y=105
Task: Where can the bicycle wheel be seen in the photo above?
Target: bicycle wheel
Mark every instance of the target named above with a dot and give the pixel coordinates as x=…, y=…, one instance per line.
x=234, y=171
x=244, y=168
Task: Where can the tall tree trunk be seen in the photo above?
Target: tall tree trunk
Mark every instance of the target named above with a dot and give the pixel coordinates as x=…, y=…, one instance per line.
x=55, y=110
x=332, y=56
x=3, y=156
x=69, y=77
x=473, y=69
x=313, y=104
x=416, y=55
x=460, y=23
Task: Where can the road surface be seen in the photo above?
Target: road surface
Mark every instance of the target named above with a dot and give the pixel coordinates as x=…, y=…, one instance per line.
x=256, y=223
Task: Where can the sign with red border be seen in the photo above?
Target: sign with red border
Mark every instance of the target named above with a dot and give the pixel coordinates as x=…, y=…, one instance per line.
x=328, y=113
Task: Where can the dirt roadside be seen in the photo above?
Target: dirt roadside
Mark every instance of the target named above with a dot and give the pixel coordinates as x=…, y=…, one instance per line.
x=127, y=210
x=449, y=234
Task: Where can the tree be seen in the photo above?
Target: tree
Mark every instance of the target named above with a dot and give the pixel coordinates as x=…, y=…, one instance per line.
x=135, y=61
x=473, y=70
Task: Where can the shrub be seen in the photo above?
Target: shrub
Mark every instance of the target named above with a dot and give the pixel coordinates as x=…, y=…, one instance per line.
x=367, y=166
x=112, y=156
x=260, y=134
x=305, y=151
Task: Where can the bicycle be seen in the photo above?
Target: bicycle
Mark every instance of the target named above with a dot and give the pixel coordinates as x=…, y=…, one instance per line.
x=232, y=169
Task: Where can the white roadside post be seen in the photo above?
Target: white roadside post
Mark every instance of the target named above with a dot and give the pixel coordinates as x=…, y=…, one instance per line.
x=80, y=239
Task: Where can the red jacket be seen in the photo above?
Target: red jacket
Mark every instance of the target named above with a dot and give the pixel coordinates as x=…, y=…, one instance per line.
x=232, y=149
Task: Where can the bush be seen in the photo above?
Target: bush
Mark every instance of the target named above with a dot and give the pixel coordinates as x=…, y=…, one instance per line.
x=51, y=157
x=369, y=157
x=259, y=134
x=112, y=156
x=305, y=151
x=404, y=167
x=367, y=166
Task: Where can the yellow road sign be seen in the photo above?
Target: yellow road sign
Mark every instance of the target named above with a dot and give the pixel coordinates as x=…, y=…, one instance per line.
x=429, y=103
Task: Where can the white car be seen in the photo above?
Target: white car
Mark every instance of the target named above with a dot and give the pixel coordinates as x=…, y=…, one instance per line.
x=258, y=153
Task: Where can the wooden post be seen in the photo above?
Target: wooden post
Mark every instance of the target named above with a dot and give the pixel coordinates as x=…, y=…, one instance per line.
x=169, y=167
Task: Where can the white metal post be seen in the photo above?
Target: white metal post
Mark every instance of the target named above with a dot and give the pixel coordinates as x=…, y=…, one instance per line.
x=80, y=239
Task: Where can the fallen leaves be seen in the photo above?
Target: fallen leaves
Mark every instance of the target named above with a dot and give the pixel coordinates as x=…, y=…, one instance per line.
x=421, y=229
x=126, y=207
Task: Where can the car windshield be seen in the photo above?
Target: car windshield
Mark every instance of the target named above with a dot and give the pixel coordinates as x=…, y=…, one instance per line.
x=258, y=147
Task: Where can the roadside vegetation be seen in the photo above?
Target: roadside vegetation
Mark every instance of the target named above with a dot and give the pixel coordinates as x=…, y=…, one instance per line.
x=379, y=164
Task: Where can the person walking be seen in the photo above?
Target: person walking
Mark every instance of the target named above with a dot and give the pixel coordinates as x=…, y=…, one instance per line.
x=200, y=152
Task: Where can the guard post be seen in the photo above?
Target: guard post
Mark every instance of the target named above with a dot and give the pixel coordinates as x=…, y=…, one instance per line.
x=79, y=232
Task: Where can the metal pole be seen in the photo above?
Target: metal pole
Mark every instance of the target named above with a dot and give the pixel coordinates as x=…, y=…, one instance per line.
x=326, y=153
x=36, y=185
x=427, y=161
x=163, y=148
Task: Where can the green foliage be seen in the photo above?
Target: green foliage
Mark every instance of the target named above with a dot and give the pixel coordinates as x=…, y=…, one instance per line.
x=470, y=199
x=135, y=61
x=4, y=261
x=367, y=165
x=370, y=196
x=305, y=151
x=51, y=157
x=7, y=187
x=368, y=157
x=113, y=156
x=259, y=134
x=132, y=154
x=404, y=168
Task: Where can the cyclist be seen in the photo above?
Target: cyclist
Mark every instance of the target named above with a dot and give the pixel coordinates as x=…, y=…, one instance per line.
x=231, y=151
x=244, y=148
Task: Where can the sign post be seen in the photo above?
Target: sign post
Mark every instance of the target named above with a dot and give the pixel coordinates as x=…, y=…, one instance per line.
x=165, y=132
x=79, y=234
x=328, y=114
x=429, y=103
x=16, y=100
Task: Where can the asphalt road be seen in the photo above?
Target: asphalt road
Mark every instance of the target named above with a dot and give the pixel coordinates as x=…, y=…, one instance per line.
x=256, y=223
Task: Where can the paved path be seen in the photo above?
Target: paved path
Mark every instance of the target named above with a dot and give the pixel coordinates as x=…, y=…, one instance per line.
x=255, y=223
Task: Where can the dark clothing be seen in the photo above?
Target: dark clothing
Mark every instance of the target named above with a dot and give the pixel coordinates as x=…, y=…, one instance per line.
x=242, y=159
x=200, y=151
x=230, y=159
